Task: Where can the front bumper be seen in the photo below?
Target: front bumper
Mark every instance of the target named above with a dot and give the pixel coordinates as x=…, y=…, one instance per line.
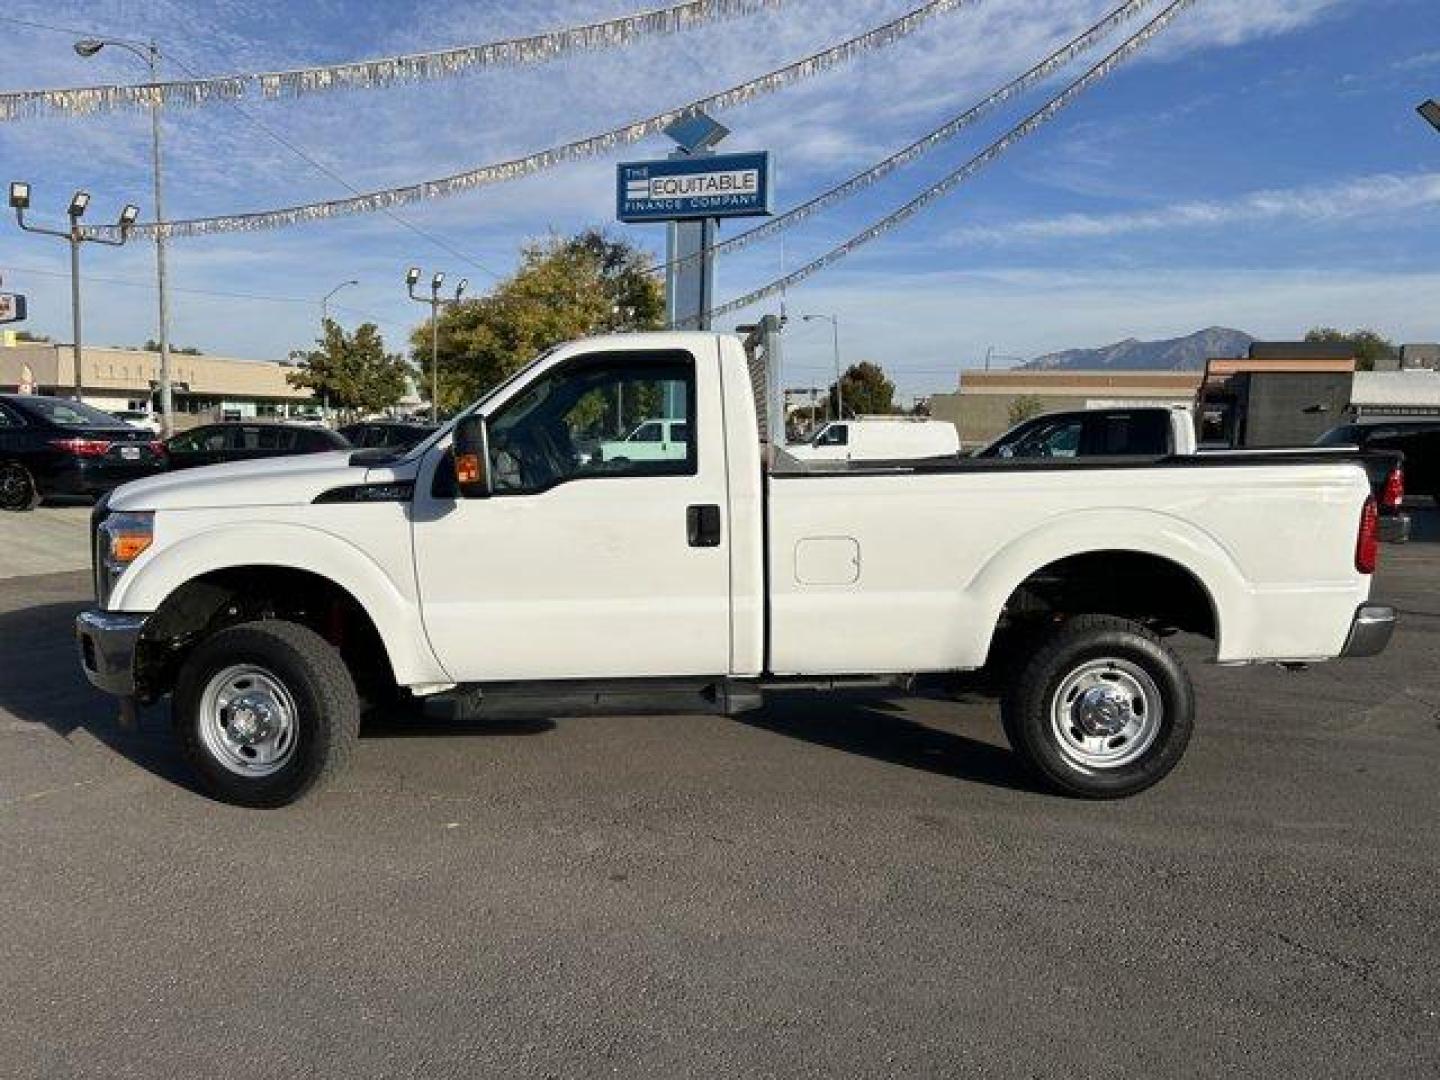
x=107, y=641
x=1370, y=630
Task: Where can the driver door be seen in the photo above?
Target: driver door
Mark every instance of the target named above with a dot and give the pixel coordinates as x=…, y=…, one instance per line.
x=583, y=565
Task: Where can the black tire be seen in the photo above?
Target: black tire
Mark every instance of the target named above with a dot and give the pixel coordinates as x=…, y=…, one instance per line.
x=1090, y=641
x=17, y=487
x=326, y=721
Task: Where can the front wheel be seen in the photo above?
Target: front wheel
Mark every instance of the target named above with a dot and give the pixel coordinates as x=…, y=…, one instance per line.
x=265, y=711
x=1102, y=709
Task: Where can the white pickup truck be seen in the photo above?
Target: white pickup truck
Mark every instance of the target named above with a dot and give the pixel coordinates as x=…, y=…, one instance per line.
x=496, y=563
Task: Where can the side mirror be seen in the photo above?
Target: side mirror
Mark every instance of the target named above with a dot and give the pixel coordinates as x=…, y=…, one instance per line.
x=471, y=451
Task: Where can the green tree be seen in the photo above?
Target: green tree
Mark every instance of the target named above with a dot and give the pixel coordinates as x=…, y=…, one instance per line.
x=151, y=345
x=1024, y=408
x=351, y=371
x=867, y=392
x=1369, y=347
x=565, y=287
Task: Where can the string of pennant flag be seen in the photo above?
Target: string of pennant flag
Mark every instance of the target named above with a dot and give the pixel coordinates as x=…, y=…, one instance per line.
x=381, y=72
x=611, y=33
x=772, y=81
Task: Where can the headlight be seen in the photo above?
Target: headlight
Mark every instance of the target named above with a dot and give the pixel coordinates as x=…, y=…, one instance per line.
x=123, y=538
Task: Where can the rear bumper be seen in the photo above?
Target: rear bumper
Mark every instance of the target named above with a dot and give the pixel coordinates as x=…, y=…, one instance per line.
x=1370, y=630
x=91, y=479
x=1395, y=528
x=107, y=641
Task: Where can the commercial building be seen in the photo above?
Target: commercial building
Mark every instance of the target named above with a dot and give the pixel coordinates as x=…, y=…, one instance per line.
x=205, y=388
x=984, y=407
x=1281, y=394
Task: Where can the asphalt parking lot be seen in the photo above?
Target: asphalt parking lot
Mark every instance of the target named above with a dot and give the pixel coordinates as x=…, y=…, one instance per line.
x=854, y=887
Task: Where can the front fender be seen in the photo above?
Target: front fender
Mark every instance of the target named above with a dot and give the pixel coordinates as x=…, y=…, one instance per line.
x=174, y=563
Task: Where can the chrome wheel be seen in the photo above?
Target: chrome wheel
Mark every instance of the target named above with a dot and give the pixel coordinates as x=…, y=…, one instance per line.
x=1106, y=713
x=248, y=721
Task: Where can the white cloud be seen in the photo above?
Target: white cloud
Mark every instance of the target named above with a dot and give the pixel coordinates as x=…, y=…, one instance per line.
x=1380, y=196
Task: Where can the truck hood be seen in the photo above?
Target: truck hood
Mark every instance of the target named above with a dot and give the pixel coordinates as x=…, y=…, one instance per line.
x=278, y=481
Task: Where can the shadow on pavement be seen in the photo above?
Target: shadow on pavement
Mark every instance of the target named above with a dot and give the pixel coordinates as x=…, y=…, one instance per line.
x=41, y=683
x=876, y=727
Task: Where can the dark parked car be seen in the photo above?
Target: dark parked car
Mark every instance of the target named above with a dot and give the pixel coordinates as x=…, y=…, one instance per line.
x=386, y=434
x=1151, y=431
x=1418, y=440
x=215, y=444
x=53, y=447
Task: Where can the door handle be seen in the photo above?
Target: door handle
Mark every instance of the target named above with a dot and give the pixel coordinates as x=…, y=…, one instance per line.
x=702, y=525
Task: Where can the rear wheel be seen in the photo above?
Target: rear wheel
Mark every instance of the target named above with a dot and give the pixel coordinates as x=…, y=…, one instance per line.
x=1101, y=709
x=17, y=487
x=265, y=712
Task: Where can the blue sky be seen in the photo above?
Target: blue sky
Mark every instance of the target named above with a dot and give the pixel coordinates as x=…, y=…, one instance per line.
x=1260, y=167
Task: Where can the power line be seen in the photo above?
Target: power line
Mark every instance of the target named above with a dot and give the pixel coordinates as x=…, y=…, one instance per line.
x=943, y=187
x=500, y=172
x=946, y=131
x=319, y=166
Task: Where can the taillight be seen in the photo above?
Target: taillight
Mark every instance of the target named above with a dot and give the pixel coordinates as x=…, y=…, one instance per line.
x=1394, y=493
x=1367, y=545
x=157, y=448
x=82, y=447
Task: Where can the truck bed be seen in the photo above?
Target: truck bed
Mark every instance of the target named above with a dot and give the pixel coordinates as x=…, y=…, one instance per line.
x=918, y=573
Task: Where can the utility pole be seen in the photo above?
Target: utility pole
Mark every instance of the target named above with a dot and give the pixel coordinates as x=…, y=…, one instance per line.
x=412, y=277
x=149, y=53
x=834, y=322
x=74, y=236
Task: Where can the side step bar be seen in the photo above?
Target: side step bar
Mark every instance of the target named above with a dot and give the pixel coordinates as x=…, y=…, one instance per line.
x=632, y=697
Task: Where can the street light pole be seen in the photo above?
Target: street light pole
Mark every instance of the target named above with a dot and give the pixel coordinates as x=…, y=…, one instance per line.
x=834, y=322
x=149, y=53
x=74, y=236
x=436, y=302
x=325, y=303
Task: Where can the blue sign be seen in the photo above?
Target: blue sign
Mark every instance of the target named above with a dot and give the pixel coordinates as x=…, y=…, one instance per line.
x=679, y=189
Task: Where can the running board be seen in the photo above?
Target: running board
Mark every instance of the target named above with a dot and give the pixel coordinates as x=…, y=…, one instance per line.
x=603, y=697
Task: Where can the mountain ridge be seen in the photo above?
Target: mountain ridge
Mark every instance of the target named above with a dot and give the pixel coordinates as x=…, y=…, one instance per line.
x=1188, y=353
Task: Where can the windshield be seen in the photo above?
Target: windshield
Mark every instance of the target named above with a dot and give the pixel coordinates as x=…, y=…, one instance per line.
x=69, y=413
x=1340, y=436
x=423, y=446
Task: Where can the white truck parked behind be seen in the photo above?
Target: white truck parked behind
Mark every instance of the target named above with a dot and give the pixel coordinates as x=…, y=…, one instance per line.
x=888, y=438
x=495, y=562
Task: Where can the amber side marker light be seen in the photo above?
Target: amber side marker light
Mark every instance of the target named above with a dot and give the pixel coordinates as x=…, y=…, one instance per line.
x=127, y=547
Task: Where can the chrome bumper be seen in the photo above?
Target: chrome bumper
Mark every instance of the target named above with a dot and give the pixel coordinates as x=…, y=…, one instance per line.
x=1370, y=631
x=107, y=642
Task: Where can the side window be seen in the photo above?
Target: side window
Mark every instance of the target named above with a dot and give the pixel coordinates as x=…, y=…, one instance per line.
x=592, y=418
x=1145, y=434
x=834, y=435
x=1058, y=439
x=7, y=419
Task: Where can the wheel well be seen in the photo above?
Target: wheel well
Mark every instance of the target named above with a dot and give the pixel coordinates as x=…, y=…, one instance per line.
x=242, y=594
x=1150, y=589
